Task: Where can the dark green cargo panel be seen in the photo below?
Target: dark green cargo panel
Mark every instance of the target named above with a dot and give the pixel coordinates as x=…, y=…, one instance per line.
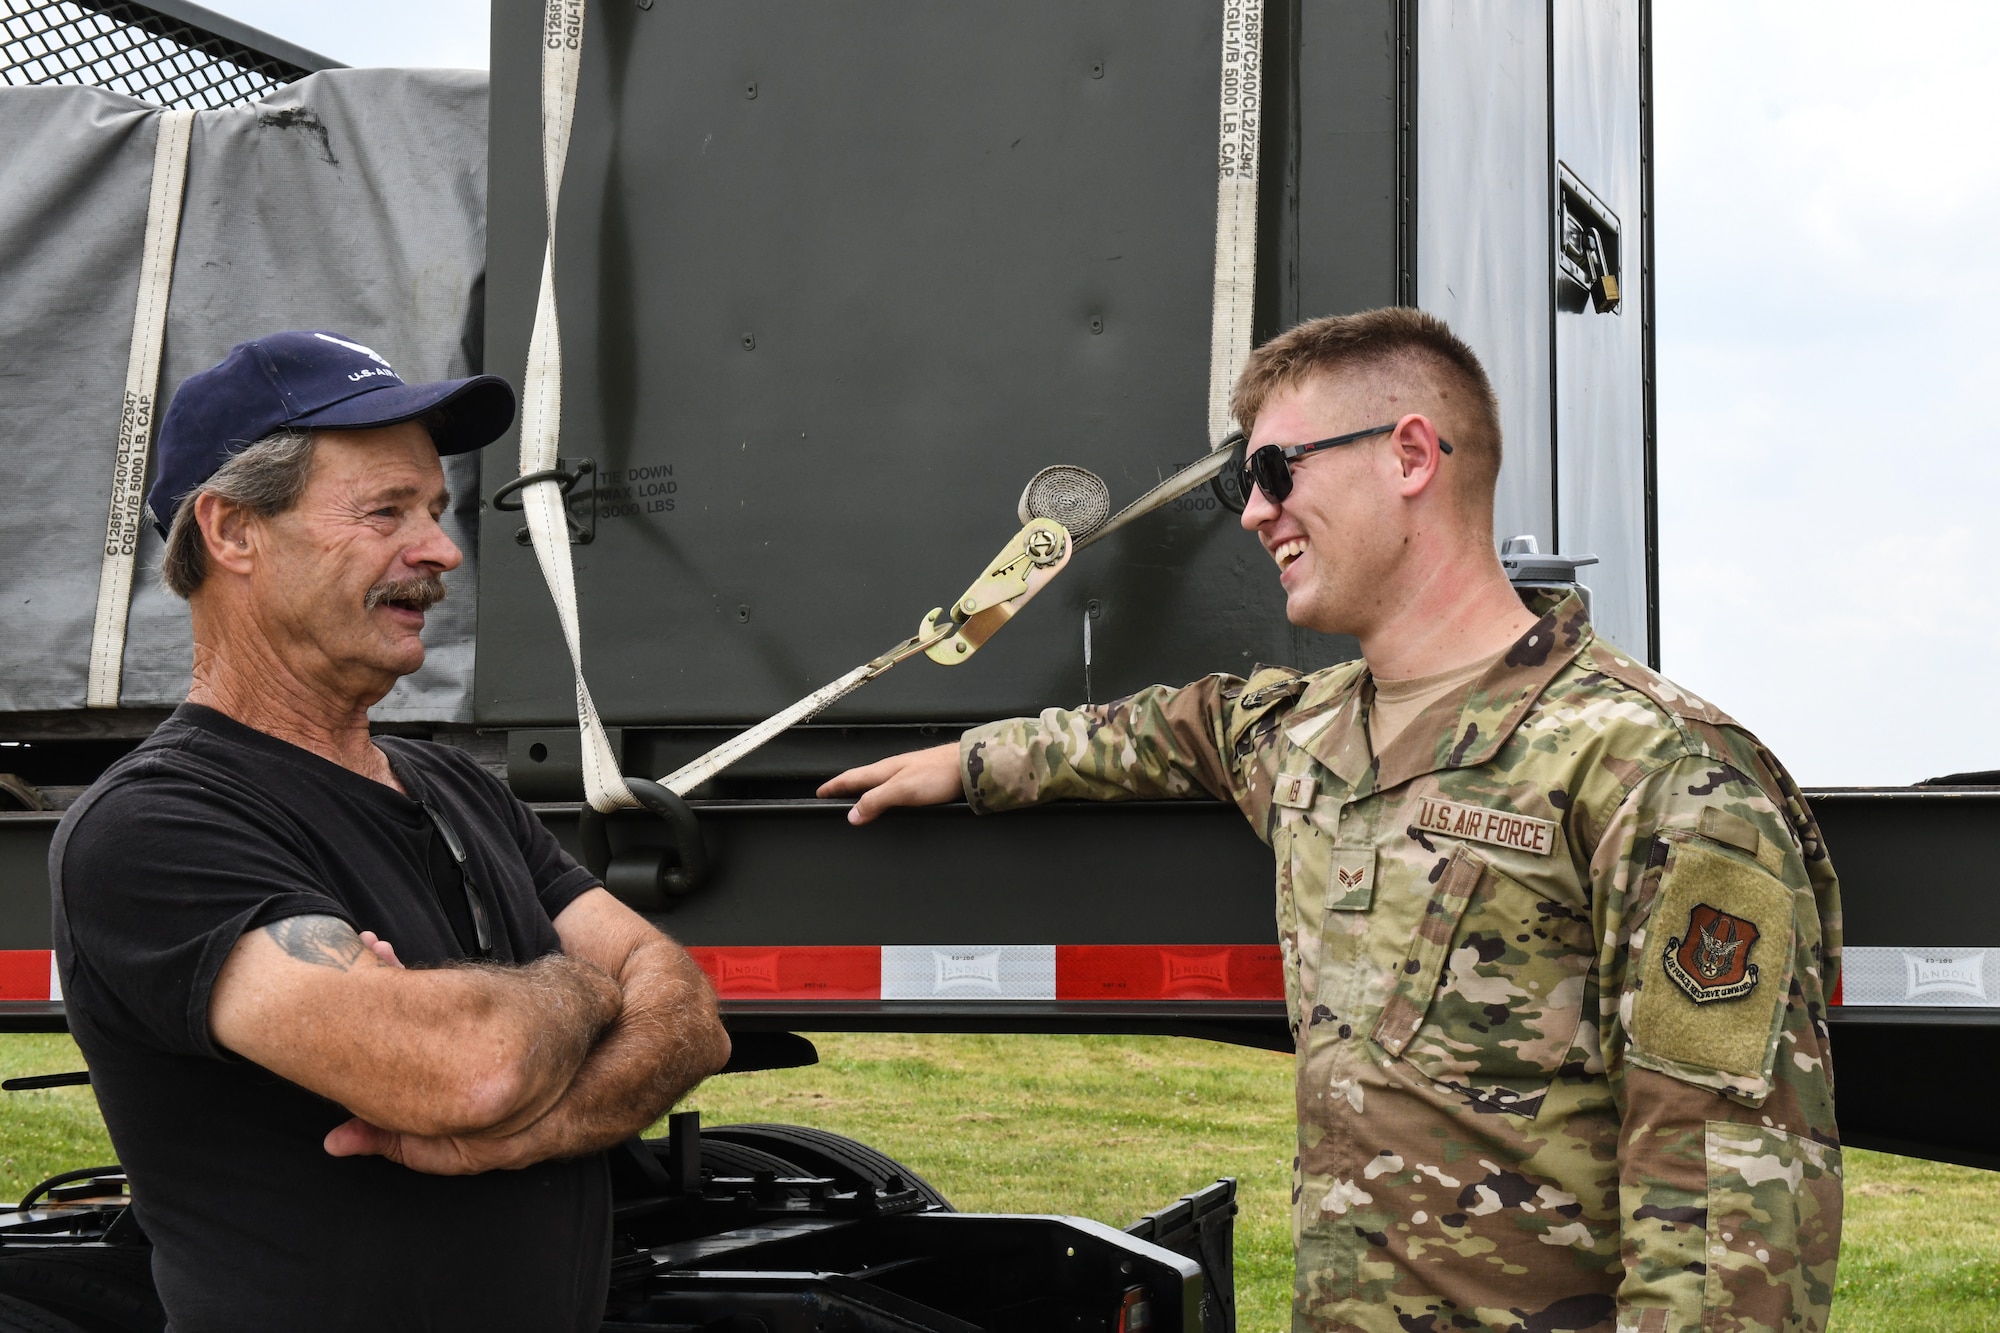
x=836, y=279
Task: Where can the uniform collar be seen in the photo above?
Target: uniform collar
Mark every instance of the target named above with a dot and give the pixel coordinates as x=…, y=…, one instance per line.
x=1462, y=730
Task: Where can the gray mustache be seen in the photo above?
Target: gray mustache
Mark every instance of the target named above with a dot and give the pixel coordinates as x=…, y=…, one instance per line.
x=416, y=594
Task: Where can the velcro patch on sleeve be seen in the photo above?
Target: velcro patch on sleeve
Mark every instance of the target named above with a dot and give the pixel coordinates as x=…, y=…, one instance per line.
x=1719, y=825
x=1717, y=966
x=1730, y=830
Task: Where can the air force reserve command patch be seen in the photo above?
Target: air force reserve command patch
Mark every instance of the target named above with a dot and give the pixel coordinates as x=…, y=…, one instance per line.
x=1717, y=965
x=1476, y=823
x=1711, y=959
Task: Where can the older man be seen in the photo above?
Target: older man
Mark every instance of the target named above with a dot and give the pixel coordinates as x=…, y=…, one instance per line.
x=358, y=1026
x=1558, y=936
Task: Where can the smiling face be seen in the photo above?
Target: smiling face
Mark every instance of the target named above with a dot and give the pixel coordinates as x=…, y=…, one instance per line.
x=1340, y=537
x=344, y=577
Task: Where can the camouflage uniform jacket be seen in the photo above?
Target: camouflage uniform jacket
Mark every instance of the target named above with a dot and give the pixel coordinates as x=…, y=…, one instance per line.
x=1556, y=964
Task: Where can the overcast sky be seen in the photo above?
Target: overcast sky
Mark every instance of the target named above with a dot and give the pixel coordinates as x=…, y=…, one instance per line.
x=1827, y=182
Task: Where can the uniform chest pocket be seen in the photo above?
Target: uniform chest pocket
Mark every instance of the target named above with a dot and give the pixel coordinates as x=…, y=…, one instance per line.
x=1322, y=886
x=1490, y=998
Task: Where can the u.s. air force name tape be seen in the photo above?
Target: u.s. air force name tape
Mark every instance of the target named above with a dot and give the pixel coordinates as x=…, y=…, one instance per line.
x=1476, y=823
x=136, y=413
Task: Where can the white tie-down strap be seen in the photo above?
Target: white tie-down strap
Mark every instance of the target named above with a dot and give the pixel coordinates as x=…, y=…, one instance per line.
x=1240, y=120
x=1235, y=206
x=689, y=776
x=135, y=417
x=1241, y=96
x=1198, y=473
x=541, y=401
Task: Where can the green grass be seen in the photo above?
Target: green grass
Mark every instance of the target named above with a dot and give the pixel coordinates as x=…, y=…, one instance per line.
x=1113, y=1127
x=42, y=1133
x=1921, y=1248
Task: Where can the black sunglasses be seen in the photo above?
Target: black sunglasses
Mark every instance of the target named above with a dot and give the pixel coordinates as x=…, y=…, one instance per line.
x=1269, y=469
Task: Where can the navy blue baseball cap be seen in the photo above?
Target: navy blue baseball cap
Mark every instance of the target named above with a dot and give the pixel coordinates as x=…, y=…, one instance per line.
x=315, y=381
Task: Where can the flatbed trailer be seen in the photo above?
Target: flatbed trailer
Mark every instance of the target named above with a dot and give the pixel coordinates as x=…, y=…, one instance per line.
x=836, y=278
x=1916, y=1026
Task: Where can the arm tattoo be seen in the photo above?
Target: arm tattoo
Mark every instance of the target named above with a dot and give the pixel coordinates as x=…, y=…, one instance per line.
x=323, y=941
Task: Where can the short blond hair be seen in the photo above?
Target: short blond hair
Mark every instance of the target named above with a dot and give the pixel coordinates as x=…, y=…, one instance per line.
x=1402, y=343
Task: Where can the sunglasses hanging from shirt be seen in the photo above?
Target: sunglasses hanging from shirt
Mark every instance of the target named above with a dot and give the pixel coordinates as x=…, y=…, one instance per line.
x=469, y=922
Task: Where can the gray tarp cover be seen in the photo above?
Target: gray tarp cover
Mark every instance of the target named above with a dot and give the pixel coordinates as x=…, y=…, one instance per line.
x=352, y=200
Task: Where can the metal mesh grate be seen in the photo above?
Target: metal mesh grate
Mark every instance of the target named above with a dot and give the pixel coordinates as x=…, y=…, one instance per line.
x=136, y=50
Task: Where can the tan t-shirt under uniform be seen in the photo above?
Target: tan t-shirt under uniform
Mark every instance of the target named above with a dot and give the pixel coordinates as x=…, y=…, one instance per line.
x=1398, y=702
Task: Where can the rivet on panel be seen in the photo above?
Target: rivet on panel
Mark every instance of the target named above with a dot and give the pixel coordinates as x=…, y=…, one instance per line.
x=750, y=91
x=1097, y=69
x=1097, y=323
x=749, y=342
x=743, y=613
x=645, y=4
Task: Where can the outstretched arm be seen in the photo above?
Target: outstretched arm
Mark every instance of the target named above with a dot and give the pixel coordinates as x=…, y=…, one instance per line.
x=921, y=777
x=665, y=1039
x=442, y=1051
x=1159, y=743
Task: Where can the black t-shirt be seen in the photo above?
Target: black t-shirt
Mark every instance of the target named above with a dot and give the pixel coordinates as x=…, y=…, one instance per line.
x=211, y=829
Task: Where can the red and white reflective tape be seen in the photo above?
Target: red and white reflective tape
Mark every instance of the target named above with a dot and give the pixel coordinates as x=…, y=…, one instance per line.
x=995, y=972
x=911, y=972
x=29, y=974
x=1960, y=976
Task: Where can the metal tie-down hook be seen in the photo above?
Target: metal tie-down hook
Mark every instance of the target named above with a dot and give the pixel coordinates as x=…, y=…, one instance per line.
x=1055, y=499
x=1063, y=509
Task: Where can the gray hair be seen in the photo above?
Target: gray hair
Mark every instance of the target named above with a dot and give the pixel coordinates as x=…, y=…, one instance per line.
x=266, y=478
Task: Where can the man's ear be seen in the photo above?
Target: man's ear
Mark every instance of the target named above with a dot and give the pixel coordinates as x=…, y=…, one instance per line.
x=1414, y=445
x=225, y=532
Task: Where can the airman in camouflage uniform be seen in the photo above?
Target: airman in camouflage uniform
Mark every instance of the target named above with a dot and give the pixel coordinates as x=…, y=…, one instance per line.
x=1557, y=947
x=1517, y=1109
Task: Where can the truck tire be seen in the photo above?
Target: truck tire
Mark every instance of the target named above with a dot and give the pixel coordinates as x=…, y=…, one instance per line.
x=18, y=1316
x=849, y=1162
x=736, y=1159
x=98, y=1290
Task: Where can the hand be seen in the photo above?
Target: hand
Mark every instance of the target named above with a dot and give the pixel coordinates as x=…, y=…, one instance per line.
x=381, y=948
x=433, y=1156
x=921, y=777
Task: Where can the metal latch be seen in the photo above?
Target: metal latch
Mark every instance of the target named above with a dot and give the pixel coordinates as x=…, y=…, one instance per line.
x=578, y=479
x=1587, y=250
x=1035, y=555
